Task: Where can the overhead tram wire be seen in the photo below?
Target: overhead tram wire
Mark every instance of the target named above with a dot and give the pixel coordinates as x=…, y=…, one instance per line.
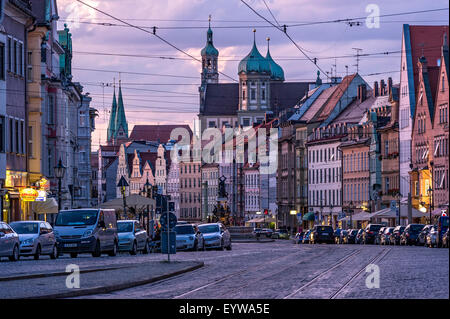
x=152, y=33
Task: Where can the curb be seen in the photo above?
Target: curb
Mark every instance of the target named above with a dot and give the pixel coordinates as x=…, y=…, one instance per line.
x=108, y=289
x=56, y=274
x=253, y=241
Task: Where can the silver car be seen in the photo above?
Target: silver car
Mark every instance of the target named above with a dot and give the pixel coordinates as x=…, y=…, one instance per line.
x=36, y=239
x=132, y=237
x=216, y=236
x=9, y=242
x=189, y=238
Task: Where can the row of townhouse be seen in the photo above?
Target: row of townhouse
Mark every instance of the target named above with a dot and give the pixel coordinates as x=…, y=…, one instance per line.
x=45, y=117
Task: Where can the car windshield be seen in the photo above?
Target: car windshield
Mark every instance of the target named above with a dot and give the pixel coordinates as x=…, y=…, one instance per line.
x=184, y=229
x=124, y=227
x=283, y=231
x=416, y=228
x=206, y=229
x=25, y=228
x=77, y=218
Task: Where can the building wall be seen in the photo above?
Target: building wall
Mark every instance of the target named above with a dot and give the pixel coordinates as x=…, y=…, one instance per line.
x=190, y=191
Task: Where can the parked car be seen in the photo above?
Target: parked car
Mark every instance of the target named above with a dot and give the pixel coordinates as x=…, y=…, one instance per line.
x=359, y=236
x=306, y=237
x=342, y=235
x=280, y=234
x=267, y=232
x=445, y=240
x=351, y=236
x=432, y=237
x=386, y=236
x=299, y=237
x=216, y=236
x=36, y=239
x=370, y=233
x=9, y=242
x=87, y=230
x=189, y=238
x=132, y=237
x=411, y=234
x=322, y=234
x=422, y=239
x=396, y=234
x=378, y=235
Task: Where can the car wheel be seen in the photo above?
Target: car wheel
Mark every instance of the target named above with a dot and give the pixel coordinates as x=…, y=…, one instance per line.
x=54, y=253
x=133, y=250
x=37, y=254
x=113, y=252
x=146, y=249
x=15, y=255
x=97, y=251
x=73, y=255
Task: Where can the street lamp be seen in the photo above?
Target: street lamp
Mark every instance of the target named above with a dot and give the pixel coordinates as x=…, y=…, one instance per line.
x=60, y=171
x=123, y=184
x=350, y=210
x=430, y=191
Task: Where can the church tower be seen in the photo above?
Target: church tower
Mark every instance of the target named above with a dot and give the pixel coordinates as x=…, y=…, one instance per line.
x=210, y=57
x=118, y=127
x=121, y=125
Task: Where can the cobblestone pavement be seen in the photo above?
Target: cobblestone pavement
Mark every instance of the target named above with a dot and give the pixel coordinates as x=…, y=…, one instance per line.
x=279, y=270
x=285, y=270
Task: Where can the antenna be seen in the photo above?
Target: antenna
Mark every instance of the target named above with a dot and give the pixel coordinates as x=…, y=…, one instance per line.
x=358, y=50
x=335, y=68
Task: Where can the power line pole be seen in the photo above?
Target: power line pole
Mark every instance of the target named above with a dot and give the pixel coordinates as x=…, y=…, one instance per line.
x=358, y=50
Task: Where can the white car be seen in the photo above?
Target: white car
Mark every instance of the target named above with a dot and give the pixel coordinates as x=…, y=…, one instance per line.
x=36, y=239
x=216, y=236
x=189, y=238
x=9, y=242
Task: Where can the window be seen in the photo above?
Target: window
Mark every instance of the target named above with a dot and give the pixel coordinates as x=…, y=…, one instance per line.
x=10, y=50
x=30, y=66
x=51, y=110
x=252, y=94
x=211, y=124
x=15, y=57
x=2, y=134
x=20, y=61
x=2, y=61
x=246, y=122
x=263, y=94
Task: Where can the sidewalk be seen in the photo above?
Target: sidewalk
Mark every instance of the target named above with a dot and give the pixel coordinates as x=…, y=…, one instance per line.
x=95, y=282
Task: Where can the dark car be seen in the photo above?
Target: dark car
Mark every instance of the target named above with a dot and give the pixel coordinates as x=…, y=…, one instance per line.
x=351, y=236
x=422, y=239
x=370, y=233
x=306, y=237
x=359, y=236
x=411, y=234
x=395, y=235
x=322, y=234
x=386, y=236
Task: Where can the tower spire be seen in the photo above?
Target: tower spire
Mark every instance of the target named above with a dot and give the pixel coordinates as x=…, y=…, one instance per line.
x=112, y=118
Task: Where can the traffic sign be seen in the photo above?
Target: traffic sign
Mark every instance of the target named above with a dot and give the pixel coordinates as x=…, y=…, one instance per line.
x=172, y=220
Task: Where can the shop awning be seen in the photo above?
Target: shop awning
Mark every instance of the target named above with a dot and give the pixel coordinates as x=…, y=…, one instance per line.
x=361, y=216
x=136, y=201
x=50, y=206
x=255, y=220
x=309, y=216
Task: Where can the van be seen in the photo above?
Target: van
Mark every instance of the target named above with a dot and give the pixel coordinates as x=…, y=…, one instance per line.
x=86, y=230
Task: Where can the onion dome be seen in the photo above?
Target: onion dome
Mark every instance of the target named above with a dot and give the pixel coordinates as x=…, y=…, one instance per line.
x=209, y=49
x=254, y=61
x=275, y=69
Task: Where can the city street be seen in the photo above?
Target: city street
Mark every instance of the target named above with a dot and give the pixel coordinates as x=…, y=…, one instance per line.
x=284, y=270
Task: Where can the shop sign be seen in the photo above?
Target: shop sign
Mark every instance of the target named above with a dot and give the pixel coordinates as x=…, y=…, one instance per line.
x=28, y=195
x=42, y=196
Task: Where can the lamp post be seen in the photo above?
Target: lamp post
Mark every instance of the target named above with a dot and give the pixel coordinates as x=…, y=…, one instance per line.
x=60, y=171
x=147, y=190
x=350, y=211
x=123, y=184
x=430, y=191
x=331, y=216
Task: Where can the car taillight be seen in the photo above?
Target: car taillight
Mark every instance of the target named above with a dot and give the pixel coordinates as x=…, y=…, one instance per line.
x=370, y=232
x=388, y=233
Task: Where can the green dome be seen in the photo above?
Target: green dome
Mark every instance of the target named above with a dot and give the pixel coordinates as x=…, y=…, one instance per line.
x=254, y=62
x=275, y=69
x=209, y=49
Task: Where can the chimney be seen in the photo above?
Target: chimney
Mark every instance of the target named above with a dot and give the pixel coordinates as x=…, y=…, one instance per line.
x=389, y=86
x=382, y=88
x=363, y=93
x=375, y=89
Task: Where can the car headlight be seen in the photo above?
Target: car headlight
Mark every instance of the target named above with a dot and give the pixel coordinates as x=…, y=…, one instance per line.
x=87, y=233
x=29, y=241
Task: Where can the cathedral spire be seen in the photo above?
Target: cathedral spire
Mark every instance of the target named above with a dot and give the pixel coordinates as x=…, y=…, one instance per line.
x=121, y=125
x=112, y=117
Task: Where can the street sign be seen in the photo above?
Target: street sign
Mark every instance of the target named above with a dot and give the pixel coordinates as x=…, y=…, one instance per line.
x=172, y=220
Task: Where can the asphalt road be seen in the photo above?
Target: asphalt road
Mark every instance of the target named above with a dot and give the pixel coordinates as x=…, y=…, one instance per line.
x=284, y=270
